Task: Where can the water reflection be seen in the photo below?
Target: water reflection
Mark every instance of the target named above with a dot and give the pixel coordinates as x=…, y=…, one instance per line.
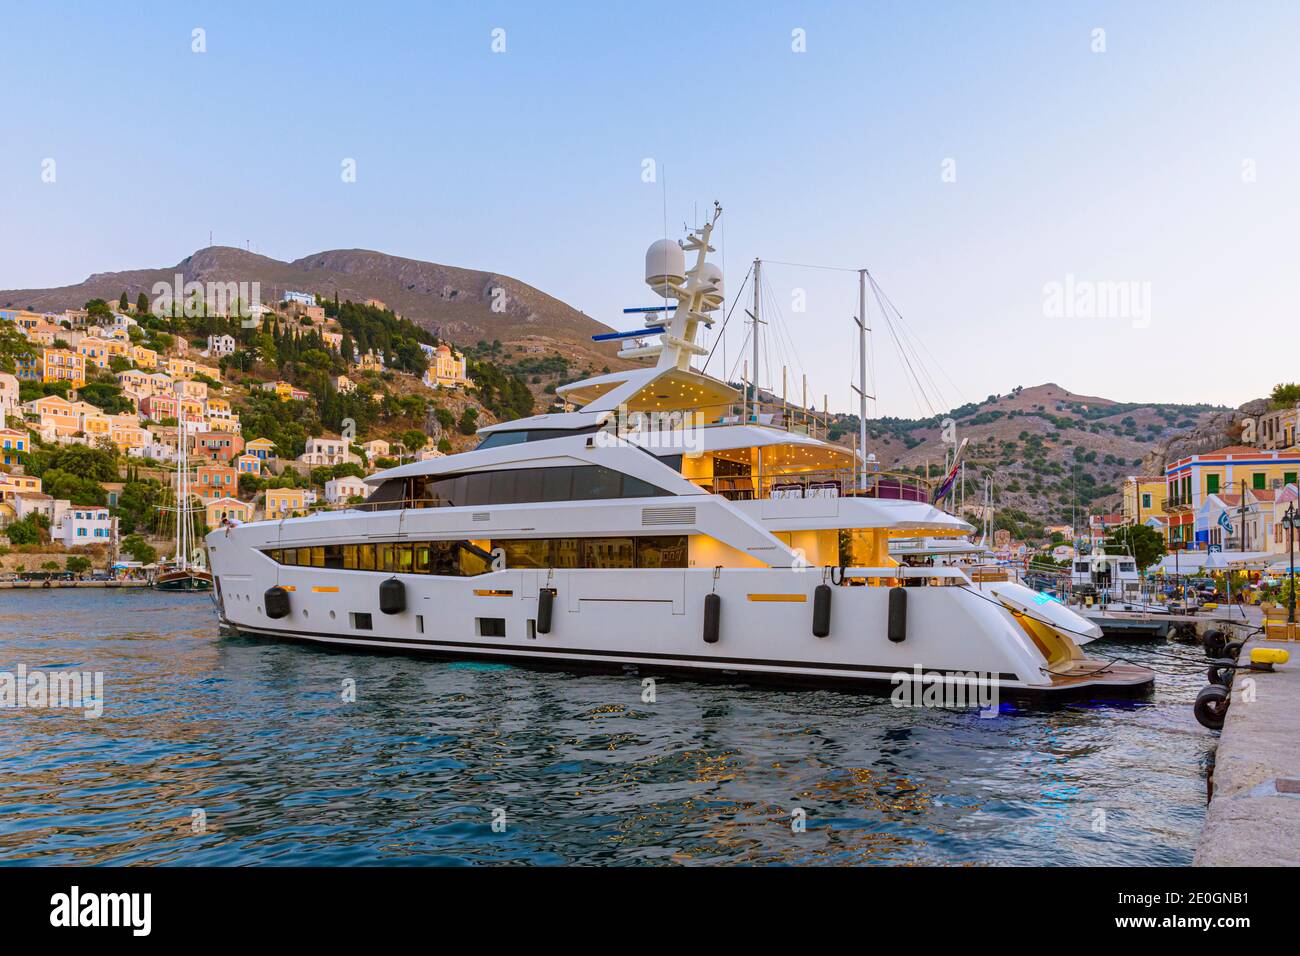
x=259, y=738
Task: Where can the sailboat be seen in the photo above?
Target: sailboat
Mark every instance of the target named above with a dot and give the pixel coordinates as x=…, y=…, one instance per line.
x=186, y=571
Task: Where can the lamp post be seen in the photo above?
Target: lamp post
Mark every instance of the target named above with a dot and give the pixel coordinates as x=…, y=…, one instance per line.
x=1289, y=521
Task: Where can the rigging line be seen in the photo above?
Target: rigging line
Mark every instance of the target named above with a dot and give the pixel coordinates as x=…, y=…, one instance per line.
x=787, y=331
x=904, y=333
x=740, y=357
x=910, y=388
x=806, y=265
x=784, y=337
x=912, y=342
x=922, y=343
x=907, y=363
x=774, y=341
x=871, y=362
x=921, y=370
x=727, y=318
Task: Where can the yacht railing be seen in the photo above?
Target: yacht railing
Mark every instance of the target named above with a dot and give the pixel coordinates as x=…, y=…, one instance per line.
x=771, y=414
x=828, y=483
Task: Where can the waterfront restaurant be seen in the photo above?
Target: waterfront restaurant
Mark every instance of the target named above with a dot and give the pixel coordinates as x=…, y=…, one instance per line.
x=1191, y=480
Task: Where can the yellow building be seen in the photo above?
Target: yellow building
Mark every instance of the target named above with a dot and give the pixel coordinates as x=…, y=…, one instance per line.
x=262, y=448
x=94, y=351
x=96, y=425
x=62, y=365
x=127, y=433
x=136, y=380
x=1144, y=498
x=192, y=389
x=446, y=369
x=179, y=367
x=220, y=416
x=221, y=509
x=54, y=365
x=143, y=357
x=285, y=502
x=11, y=485
x=285, y=391
x=1190, y=481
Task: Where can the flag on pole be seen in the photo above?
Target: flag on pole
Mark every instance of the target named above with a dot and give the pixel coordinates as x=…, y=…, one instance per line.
x=945, y=487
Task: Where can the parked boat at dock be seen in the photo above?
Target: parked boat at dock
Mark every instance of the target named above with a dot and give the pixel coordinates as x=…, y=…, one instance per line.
x=666, y=523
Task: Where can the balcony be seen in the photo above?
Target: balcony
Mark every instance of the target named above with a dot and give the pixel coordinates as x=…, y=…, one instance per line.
x=1175, y=505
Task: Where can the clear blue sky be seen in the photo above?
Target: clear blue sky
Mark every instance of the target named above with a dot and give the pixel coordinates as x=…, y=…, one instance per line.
x=1125, y=165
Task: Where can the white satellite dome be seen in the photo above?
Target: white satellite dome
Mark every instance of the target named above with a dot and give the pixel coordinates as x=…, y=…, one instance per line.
x=711, y=273
x=665, y=265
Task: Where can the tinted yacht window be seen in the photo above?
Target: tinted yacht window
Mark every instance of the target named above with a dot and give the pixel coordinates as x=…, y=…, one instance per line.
x=497, y=439
x=515, y=486
x=526, y=485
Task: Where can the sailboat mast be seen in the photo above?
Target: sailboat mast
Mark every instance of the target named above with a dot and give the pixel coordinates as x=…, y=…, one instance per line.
x=758, y=278
x=182, y=487
x=862, y=377
x=182, y=466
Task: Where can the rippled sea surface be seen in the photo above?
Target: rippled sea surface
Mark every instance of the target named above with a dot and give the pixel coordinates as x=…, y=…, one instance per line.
x=230, y=751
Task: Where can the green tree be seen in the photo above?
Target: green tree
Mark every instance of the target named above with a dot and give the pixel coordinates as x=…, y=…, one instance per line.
x=414, y=439
x=23, y=532
x=137, y=505
x=1285, y=395
x=142, y=304
x=139, y=549
x=123, y=303
x=96, y=464
x=107, y=397
x=1146, y=545
x=75, y=488
x=13, y=346
x=79, y=563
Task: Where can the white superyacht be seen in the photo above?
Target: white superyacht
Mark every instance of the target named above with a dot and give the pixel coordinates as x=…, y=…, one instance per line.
x=664, y=524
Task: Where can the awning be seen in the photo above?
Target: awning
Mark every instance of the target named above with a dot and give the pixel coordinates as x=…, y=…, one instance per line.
x=1194, y=562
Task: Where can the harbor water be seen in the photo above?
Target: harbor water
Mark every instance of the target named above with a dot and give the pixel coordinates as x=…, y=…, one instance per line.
x=223, y=750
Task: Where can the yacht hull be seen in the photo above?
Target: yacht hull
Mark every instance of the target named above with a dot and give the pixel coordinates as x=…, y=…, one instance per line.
x=653, y=621
x=1120, y=682
x=183, y=581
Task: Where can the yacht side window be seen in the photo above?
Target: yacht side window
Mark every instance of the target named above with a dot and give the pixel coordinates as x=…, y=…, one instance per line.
x=530, y=485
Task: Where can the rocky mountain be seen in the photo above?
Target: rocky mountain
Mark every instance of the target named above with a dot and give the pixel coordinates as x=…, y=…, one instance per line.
x=1048, y=450
x=462, y=305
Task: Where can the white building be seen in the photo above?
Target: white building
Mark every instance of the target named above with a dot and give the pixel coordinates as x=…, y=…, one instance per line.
x=220, y=345
x=327, y=451
x=341, y=489
x=123, y=321
x=27, y=503
x=9, y=404
x=88, y=525
x=154, y=451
